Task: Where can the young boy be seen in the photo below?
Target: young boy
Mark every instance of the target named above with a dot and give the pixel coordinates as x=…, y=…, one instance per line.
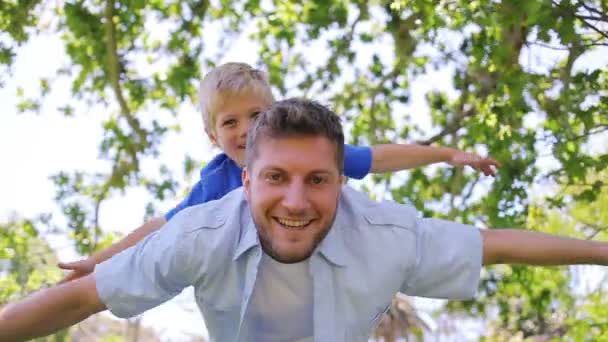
x=232, y=95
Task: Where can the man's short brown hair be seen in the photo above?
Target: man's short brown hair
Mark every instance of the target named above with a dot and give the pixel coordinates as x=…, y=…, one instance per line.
x=296, y=117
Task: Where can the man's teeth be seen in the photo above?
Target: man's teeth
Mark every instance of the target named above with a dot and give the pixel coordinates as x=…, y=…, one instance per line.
x=293, y=223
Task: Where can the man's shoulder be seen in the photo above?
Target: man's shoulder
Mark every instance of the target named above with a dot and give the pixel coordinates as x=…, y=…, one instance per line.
x=358, y=206
x=212, y=214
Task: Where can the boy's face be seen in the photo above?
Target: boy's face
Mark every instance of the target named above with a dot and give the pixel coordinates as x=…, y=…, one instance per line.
x=293, y=187
x=232, y=121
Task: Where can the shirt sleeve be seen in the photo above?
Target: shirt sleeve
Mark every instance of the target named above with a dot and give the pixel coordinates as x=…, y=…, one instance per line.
x=196, y=196
x=147, y=274
x=357, y=161
x=448, y=260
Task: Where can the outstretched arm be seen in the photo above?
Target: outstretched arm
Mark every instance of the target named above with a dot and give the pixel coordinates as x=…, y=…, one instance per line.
x=50, y=310
x=514, y=246
x=86, y=266
x=395, y=157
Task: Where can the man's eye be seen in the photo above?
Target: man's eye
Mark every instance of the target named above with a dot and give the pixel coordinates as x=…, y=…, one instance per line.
x=254, y=115
x=274, y=177
x=317, y=180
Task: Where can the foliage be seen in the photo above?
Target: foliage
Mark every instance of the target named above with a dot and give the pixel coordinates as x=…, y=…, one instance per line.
x=370, y=61
x=27, y=263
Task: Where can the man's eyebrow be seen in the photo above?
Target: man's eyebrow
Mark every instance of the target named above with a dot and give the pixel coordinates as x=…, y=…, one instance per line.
x=321, y=171
x=279, y=169
x=271, y=168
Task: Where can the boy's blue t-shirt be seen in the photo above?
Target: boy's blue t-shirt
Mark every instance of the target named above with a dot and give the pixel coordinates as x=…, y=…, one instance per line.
x=223, y=175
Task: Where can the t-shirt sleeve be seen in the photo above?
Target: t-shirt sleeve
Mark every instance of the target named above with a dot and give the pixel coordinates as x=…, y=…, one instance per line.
x=147, y=274
x=196, y=196
x=357, y=161
x=448, y=260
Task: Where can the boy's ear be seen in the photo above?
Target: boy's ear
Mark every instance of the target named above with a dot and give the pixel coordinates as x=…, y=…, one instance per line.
x=212, y=137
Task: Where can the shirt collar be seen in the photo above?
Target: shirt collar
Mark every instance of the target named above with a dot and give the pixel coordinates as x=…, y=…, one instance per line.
x=333, y=246
x=249, y=236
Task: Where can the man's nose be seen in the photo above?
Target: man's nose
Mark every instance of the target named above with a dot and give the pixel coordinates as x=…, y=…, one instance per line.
x=295, y=199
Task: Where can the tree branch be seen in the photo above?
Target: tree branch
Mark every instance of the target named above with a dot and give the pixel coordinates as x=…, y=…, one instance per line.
x=113, y=71
x=602, y=15
x=589, y=25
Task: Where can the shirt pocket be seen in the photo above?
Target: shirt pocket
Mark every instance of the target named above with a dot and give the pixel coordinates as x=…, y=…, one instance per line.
x=222, y=323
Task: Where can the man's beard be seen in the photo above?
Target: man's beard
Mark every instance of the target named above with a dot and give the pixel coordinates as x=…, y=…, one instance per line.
x=268, y=248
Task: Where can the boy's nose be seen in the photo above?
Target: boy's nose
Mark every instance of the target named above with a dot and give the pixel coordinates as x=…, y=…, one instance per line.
x=244, y=128
x=243, y=131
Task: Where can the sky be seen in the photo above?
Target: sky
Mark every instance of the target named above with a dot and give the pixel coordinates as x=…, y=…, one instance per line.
x=34, y=147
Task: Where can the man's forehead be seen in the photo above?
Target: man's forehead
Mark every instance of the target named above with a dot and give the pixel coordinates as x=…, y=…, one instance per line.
x=301, y=142
x=316, y=151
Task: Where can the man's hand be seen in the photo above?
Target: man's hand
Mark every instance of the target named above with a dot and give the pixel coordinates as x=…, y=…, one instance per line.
x=50, y=310
x=485, y=165
x=78, y=269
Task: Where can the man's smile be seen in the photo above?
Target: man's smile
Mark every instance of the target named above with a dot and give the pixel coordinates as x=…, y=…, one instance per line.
x=292, y=223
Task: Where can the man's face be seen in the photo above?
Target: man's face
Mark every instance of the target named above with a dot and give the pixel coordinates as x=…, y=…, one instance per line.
x=232, y=122
x=293, y=188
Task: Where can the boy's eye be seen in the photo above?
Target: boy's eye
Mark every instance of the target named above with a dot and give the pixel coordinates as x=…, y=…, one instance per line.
x=229, y=122
x=254, y=115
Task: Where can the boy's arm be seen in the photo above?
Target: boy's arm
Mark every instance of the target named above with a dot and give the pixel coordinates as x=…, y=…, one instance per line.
x=83, y=267
x=395, y=157
x=50, y=310
x=514, y=246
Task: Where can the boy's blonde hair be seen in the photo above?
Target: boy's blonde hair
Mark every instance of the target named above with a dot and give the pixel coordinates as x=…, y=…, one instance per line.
x=229, y=80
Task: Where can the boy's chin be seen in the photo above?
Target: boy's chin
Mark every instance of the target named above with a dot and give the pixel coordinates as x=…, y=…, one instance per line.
x=239, y=158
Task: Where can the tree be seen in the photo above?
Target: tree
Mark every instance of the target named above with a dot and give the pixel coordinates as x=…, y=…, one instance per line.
x=27, y=263
x=538, y=118
x=546, y=303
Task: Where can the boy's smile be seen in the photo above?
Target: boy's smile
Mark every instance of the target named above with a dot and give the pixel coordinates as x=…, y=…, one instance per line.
x=232, y=121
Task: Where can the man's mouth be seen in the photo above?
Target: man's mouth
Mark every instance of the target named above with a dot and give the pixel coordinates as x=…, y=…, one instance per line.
x=292, y=224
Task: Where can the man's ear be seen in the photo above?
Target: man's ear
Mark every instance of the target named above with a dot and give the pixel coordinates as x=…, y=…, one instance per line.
x=245, y=178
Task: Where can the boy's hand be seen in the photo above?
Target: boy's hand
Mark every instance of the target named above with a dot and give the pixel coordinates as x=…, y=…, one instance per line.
x=78, y=269
x=485, y=165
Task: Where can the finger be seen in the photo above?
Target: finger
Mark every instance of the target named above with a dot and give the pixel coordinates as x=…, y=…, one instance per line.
x=78, y=266
x=492, y=170
x=66, y=265
x=494, y=162
x=71, y=276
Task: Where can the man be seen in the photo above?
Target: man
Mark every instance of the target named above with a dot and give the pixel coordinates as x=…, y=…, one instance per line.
x=294, y=256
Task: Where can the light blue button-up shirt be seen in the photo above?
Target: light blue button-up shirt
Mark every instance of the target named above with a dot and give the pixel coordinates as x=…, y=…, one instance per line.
x=373, y=250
